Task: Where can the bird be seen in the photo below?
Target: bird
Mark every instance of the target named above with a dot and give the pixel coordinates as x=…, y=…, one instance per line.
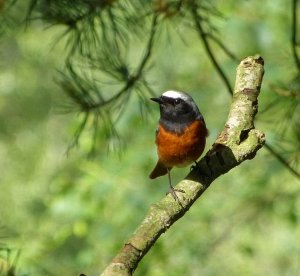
x=180, y=135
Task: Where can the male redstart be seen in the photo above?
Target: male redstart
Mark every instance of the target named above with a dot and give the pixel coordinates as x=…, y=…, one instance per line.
x=180, y=136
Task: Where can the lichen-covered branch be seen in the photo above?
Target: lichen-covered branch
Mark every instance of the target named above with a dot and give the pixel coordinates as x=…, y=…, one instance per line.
x=238, y=142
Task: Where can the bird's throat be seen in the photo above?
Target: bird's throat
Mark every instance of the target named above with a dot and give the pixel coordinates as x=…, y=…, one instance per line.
x=173, y=126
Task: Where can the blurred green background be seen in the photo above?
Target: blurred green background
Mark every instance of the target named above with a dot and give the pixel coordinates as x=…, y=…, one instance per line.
x=67, y=213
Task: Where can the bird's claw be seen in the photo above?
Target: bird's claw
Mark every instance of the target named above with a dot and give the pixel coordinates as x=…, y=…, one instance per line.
x=173, y=191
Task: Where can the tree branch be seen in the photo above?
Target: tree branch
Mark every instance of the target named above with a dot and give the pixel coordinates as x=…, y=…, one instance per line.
x=238, y=142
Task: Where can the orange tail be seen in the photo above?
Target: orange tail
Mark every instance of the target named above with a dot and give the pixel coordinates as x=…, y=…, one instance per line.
x=159, y=170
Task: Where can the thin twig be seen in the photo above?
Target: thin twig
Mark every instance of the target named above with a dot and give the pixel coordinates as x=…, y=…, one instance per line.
x=203, y=36
x=282, y=160
x=222, y=46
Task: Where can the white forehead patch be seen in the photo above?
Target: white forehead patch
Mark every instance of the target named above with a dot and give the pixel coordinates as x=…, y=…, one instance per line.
x=175, y=95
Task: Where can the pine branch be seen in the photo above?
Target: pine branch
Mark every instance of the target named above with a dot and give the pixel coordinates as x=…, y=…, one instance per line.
x=133, y=79
x=238, y=142
x=90, y=98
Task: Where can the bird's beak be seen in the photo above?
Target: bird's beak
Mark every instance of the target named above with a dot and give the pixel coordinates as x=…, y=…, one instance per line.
x=157, y=100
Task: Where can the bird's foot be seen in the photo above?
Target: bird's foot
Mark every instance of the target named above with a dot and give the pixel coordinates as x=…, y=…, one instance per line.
x=173, y=191
x=196, y=165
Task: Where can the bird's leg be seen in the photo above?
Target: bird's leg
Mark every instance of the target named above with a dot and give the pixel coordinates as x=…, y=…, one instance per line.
x=172, y=190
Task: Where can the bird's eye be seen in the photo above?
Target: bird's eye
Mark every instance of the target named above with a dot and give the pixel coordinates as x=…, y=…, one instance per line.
x=177, y=101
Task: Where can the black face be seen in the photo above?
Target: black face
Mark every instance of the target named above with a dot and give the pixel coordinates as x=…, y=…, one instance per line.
x=176, y=109
x=177, y=113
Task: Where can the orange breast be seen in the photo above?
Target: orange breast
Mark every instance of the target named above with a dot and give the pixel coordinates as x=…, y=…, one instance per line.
x=181, y=149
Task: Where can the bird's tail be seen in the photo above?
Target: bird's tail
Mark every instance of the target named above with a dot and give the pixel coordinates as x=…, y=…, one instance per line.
x=159, y=170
